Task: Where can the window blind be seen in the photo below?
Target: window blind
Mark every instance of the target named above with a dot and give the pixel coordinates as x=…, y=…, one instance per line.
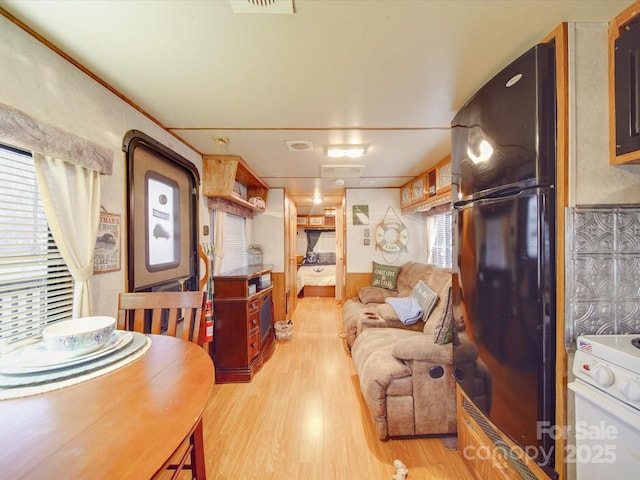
x=36, y=287
x=442, y=246
x=235, y=243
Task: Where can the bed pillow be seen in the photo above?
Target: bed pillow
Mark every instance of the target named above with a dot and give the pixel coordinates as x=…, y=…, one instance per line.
x=426, y=298
x=385, y=276
x=327, y=258
x=311, y=257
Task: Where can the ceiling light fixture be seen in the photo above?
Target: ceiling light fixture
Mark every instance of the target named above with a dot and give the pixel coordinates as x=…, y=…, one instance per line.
x=220, y=140
x=351, y=151
x=317, y=200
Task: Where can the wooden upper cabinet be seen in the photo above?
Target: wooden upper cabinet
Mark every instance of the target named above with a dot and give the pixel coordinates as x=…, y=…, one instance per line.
x=228, y=177
x=624, y=87
x=443, y=184
x=430, y=188
x=405, y=195
x=418, y=188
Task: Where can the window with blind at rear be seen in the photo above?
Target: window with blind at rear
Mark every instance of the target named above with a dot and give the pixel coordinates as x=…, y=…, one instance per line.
x=442, y=245
x=36, y=287
x=235, y=243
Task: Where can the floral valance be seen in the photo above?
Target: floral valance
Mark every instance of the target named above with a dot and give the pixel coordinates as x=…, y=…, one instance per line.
x=21, y=130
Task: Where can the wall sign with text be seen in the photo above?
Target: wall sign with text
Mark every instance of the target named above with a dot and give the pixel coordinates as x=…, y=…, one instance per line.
x=107, y=254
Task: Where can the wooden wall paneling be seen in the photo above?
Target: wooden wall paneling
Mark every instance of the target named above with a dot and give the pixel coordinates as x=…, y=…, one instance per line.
x=354, y=281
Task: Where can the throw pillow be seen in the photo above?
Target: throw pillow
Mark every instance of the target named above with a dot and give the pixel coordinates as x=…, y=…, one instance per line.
x=425, y=297
x=445, y=331
x=385, y=276
x=312, y=257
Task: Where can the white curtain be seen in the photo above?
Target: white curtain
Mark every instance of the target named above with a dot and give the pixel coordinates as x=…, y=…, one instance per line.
x=326, y=242
x=71, y=200
x=431, y=236
x=218, y=245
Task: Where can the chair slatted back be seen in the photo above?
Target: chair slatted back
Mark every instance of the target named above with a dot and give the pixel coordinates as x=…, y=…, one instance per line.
x=184, y=312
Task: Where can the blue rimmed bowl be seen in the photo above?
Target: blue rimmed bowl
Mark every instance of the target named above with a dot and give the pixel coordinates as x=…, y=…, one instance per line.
x=79, y=336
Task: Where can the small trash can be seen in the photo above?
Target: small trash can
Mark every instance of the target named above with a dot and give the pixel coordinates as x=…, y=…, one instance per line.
x=284, y=330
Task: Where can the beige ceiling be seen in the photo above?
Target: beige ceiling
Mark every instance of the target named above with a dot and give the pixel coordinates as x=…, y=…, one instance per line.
x=389, y=74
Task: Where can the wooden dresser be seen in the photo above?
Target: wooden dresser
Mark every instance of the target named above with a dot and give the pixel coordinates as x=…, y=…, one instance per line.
x=243, y=338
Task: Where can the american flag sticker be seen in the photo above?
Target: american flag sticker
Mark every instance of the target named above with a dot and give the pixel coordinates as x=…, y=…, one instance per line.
x=584, y=346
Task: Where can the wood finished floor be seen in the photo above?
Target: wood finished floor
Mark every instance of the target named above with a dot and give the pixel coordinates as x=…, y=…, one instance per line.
x=303, y=417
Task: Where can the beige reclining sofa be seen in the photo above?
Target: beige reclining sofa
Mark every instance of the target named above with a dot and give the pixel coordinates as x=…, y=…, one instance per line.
x=406, y=371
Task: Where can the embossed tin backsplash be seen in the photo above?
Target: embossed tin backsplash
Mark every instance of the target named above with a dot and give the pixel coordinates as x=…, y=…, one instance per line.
x=603, y=270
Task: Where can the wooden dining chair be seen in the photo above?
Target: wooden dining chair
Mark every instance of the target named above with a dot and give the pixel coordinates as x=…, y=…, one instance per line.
x=179, y=314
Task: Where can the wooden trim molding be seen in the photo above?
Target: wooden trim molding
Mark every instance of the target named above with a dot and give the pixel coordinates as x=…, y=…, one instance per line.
x=560, y=37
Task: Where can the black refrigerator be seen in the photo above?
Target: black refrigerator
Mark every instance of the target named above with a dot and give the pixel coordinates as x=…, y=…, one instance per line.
x=503, y=169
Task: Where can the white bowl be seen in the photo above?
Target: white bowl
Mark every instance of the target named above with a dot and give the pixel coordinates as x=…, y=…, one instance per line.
x=72, y=338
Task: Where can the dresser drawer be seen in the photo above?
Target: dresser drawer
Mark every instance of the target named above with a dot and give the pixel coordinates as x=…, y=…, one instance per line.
x=254, y=320
x=254, y=305
x=254, y=343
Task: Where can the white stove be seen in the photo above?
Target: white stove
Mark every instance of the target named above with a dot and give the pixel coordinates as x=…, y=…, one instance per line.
x=607, y=407
x=610, y=363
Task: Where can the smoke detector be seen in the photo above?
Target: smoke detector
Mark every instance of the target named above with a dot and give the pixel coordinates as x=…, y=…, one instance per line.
x=262, y=6
x=341, y=171
x=299, y=145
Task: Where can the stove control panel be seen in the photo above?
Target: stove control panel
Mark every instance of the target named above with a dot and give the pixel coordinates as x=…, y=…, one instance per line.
x=612, y=379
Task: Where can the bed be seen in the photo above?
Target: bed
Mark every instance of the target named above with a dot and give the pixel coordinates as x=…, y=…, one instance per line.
x=316, y=276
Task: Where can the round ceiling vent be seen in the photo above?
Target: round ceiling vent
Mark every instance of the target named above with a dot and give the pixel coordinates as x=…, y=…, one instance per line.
x=262, y=6
x=299, y=146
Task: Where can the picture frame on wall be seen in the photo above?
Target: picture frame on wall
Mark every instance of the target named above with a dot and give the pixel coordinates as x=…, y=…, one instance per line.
x=107, y=256
x=360, y=214
x=302, y=221
x=316, y=221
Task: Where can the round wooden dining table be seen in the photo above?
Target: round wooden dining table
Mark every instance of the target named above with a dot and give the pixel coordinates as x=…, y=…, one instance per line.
x=125, y=424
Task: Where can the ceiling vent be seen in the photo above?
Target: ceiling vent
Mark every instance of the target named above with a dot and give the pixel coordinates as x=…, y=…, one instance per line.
x=299, y=146
x=262, y=6
x=367, y=183
x=341, y=171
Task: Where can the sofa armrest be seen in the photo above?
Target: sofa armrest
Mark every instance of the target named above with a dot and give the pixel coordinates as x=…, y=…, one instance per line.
x=423, y=348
